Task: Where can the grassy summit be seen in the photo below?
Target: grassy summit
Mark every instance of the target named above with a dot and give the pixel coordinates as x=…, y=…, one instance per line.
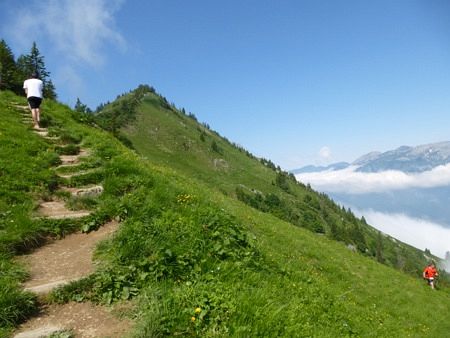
x=211, y=242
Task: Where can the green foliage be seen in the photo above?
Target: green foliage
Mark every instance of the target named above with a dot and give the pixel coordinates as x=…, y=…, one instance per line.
x=116, y=115
x=81, y=107
x=69, y=149
x=215, y=148
x=202, y=236
x=9, y=79
x=62, y=334
x=15, y=305
x=197, y=261
x=34, y=62
x=281, y=181
x=13, y=73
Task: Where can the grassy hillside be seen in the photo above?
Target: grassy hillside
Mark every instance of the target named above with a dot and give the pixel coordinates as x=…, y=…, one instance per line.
x=169, y=136
x=197, y=261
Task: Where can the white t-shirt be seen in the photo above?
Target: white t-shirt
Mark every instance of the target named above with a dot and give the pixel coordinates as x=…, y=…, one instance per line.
x=34, y=87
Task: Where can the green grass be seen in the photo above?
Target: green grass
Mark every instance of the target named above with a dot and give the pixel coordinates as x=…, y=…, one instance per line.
x=198, y=261
x=168, y=137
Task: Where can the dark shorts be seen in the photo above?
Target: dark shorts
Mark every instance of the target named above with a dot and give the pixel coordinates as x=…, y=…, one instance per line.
x=35, y=102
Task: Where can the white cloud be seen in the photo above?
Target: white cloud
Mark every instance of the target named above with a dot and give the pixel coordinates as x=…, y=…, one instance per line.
x=80, y=29
x=416, y=232
x=72, y=80
x=324, y=154
x=352, y=182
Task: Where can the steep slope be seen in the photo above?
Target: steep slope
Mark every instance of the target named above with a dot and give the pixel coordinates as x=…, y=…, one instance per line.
x=198, y=262
x=168, y=136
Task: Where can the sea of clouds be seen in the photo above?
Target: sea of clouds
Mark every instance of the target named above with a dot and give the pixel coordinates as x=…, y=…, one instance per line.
x=352, y=182
x=417, y=232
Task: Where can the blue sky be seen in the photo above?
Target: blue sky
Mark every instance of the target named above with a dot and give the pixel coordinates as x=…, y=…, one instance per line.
x=297, y=82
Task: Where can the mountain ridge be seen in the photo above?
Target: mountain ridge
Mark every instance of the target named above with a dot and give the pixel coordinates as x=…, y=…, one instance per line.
x=166, y=134
x=408, y=159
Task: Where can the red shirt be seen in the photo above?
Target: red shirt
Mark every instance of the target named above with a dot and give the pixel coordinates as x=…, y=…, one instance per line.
x=430, y=272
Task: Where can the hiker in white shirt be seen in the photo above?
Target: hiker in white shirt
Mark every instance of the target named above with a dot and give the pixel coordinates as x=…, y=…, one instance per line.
x=33, y=88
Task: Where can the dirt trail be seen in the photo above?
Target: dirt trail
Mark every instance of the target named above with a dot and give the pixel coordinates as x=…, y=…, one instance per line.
x=62, y=261
x=65, y=260
x=58, y=263
x=86, y=320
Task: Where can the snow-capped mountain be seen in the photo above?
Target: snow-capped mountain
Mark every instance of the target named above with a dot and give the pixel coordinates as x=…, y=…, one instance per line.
x=406, y=159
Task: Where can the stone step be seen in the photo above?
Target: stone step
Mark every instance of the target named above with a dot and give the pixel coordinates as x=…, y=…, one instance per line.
x=93, y=191
x=58, y=210
x=52, y=138
x=41, y=133
x=68, y=165
x=21, y=107
x=73, y=159
x=44, y=289
x=41, y=332
x=69, y=159
x=78, y=173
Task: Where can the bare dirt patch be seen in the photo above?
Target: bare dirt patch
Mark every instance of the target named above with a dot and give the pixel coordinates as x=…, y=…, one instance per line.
x=87, y=320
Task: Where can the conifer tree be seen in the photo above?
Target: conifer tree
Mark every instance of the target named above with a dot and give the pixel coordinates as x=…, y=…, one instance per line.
x=379, y=248
x=8, y=69
x=81, y=107
x=34, y=62
x=50, y=90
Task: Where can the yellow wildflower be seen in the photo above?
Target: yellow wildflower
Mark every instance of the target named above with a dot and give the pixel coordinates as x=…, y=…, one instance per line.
x=193, y=319
x=198, y=310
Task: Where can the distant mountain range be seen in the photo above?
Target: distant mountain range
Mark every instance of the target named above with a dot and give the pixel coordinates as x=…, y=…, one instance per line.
x=374, y=169
x=315, y=169
x=406, y=159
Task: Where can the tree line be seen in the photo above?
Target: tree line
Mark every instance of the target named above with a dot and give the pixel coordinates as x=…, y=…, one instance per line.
x=14, y=71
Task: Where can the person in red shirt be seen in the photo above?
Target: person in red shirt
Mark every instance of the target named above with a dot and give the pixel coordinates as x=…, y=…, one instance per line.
x=430, y=273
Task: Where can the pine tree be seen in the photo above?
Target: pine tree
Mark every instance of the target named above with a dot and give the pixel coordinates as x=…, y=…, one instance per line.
x=49, y=90
x=357, y=237
x=34, y=62
x=379, y=248
x=81, y=107
x=8, y=70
